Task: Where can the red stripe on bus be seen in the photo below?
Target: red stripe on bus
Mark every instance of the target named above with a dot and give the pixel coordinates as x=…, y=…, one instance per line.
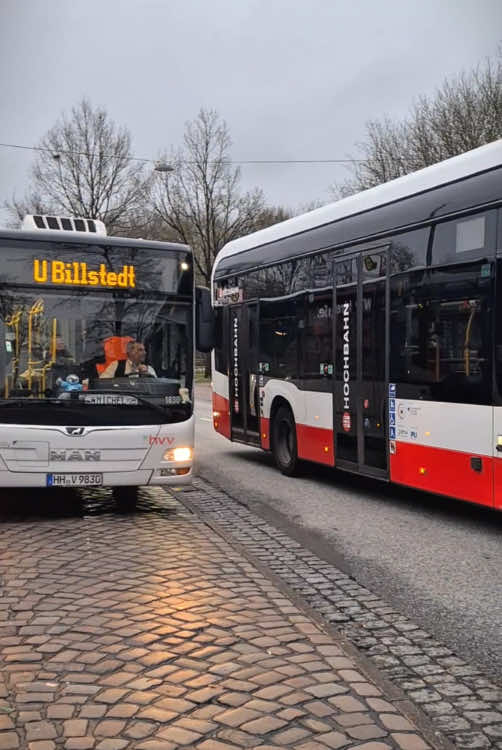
x=315, y=444
x=265, y=433
x=221, y=415
x=497, y=483
x=443, y=471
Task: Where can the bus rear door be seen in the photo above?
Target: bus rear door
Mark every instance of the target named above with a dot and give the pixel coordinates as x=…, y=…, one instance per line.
x=243, y=386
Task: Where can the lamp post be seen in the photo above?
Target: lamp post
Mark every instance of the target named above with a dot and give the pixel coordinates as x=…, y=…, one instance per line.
x=166, y=168
x=163, y=166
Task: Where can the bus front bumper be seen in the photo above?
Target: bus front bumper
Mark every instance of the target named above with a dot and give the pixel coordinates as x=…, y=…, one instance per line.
x=93, y=480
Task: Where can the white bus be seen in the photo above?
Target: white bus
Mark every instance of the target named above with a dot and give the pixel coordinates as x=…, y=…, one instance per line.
x=96, y=358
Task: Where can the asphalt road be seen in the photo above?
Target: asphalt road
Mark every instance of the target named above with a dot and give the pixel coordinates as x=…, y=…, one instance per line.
x=435, y=560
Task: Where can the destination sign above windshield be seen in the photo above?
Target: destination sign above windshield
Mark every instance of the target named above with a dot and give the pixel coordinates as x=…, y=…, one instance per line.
x=84, y=268
x=78, y=273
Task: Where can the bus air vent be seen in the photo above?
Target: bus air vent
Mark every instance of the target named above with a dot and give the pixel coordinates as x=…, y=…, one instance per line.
x=66, y=224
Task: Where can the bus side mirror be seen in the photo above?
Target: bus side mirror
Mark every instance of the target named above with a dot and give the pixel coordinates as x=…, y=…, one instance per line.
x=204, y=320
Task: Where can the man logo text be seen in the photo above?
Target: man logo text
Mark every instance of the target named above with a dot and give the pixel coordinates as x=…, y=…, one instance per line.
x=75, y=455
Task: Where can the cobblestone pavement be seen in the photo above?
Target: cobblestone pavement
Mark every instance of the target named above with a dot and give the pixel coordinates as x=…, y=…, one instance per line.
x=149, y=630
x=456, y=697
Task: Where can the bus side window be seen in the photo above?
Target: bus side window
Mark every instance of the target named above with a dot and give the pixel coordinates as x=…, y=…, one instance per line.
x=441, y=332
x=279, y=337
x=317, y=337
x=498, y=331
x=220, y=349
x=456, y=239
x=409, y=250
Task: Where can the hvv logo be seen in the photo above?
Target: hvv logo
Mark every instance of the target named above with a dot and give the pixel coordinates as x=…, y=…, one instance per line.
x=155, y=440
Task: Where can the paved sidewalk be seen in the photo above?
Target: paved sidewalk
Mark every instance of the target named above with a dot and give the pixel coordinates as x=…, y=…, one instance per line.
x=149, y=631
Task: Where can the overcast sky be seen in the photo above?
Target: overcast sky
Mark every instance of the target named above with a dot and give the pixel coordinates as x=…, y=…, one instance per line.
x=294, y=79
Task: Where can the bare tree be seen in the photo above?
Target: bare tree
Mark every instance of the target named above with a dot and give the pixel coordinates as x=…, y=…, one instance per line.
x=271, y=215
x=84, y=168
x=17, y=208
x=200, y=200
x=465, y=112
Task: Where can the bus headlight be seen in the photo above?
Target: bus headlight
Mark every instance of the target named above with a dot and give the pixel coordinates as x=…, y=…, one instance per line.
x=178, y=454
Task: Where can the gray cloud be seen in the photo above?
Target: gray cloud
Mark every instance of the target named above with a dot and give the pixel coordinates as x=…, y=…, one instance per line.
x=294, y=79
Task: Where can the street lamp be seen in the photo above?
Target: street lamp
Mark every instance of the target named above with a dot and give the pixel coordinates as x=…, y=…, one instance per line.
x=163, y=166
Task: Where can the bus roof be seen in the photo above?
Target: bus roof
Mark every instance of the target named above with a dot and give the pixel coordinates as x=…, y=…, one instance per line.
x=87, y=238
x=473, y=162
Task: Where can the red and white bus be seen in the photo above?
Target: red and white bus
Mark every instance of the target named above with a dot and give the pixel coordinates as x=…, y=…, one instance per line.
x=367, y=334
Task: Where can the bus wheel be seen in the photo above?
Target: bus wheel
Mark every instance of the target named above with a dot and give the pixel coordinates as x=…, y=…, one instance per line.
x=125, y=498
x=284, y=445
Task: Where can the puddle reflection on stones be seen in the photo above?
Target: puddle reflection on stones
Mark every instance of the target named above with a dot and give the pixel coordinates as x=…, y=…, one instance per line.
x=31, y=503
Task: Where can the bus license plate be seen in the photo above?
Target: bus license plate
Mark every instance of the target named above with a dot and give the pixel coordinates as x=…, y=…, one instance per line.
x=74, y=480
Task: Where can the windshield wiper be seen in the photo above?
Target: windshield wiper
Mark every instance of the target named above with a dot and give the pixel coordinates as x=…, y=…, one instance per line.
x=27, y=401
x=72, y=402
x=79, y=399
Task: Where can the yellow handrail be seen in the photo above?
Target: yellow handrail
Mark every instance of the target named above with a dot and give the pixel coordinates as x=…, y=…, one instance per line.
x=467, y=341
x=52, y=360
x=13, y=322
x=37, y=308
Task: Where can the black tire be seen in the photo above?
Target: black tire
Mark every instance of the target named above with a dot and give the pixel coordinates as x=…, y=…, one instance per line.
x=284, y=444
x=126, y=498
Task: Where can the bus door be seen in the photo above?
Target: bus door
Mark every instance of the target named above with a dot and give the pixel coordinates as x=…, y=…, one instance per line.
x=243, y=382
x=361, y=376
x=497, y=408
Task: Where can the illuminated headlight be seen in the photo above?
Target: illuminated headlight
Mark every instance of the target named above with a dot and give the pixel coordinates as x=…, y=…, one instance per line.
x=178, y=454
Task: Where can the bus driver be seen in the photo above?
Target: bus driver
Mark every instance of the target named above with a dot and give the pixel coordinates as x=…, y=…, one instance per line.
x=133, y=365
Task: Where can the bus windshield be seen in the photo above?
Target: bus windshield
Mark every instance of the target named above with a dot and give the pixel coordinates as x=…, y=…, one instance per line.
x=93, y=357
